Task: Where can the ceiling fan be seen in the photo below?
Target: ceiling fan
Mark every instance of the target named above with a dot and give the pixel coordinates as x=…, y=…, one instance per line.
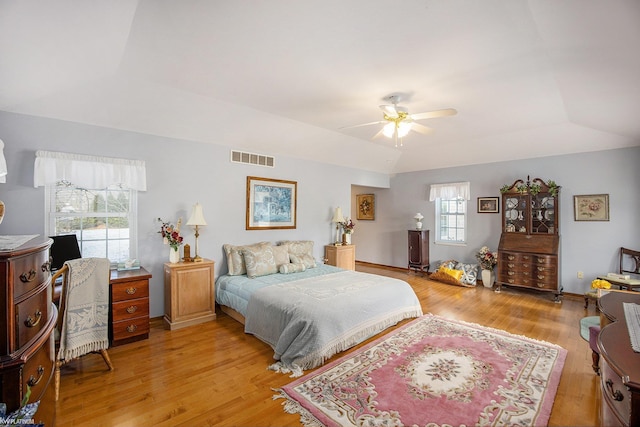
x=398, y=122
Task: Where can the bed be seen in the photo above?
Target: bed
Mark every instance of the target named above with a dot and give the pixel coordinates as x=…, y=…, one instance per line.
x=308, y=314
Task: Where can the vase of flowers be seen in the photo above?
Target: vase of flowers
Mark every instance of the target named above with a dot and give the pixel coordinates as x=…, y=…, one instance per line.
x=488, y=260
x=171, y=236
x=347, y=227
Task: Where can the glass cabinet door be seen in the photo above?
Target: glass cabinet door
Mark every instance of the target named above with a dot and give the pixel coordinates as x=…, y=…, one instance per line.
x=515, y=214
x=543, y=213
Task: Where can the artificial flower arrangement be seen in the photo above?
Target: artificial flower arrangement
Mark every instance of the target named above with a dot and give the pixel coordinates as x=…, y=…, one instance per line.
x=171, y=234
x=486, y=258
x=600, y=284
x=348, y=225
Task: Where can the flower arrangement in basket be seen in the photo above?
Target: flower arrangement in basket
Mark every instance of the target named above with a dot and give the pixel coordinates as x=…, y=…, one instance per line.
x=348, y=225
x=486, y=258
x=171, y=234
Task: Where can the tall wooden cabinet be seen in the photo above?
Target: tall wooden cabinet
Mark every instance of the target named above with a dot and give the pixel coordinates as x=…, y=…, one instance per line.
x=26, y=332
x=418, y=247
x=528, y=254
x=189, y=293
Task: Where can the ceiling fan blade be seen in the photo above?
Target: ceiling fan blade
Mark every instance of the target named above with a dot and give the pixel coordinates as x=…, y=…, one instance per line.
x=364, y=124
x=379, y=134
x=434, y=114
x=390, y=110
x=421, y=128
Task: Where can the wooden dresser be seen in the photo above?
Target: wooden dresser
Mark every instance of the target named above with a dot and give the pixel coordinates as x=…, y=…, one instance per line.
x=129, y=301
x=620, y=365
x=418, y=249
x=26, y=335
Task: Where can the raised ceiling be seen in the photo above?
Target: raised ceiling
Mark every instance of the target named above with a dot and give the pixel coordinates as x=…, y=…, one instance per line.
x=283, y=77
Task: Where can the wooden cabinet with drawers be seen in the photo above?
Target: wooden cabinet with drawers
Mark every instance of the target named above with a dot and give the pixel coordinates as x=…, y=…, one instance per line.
x=129, y=313
x=340, y=256
x=528, y=253
x=28, y=320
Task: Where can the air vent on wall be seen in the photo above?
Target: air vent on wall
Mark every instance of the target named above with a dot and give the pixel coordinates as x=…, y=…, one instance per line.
x=252, y=158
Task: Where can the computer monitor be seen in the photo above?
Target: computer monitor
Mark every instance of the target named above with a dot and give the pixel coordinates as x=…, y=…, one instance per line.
x=63, y=249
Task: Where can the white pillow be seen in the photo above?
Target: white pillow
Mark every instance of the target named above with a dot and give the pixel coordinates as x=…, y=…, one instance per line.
x=235, y=258
x=259, y=261
x=292, y=268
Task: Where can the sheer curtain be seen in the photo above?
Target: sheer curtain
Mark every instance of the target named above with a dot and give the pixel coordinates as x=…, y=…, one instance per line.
x=88, y=171
x=450, y=191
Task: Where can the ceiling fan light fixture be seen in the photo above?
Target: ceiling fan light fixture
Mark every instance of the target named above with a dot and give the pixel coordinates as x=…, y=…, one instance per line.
x=403, y=129
x=389, y=130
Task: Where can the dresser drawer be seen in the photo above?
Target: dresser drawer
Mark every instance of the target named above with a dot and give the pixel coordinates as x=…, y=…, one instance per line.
x=616, y=395
x=130, y=290
x=29, y=272
x=130, y=328
x=124, y=310
x=37, y=371
x=31, y=315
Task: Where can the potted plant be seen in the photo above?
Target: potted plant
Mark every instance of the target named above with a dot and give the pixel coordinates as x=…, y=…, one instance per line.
x=488, y=260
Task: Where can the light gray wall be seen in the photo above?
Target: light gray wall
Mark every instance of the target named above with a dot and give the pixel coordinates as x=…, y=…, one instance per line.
x=590, y=247
x=179, y=174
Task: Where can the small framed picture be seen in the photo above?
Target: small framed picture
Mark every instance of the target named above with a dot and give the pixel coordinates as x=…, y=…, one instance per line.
x=591, y=207
x=488, y=204
x=366, y=206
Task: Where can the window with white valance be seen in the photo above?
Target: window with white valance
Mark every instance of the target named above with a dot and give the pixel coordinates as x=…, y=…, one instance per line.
x=94, y=198
x=88, y=171
x=451, y=211
x=450, y=191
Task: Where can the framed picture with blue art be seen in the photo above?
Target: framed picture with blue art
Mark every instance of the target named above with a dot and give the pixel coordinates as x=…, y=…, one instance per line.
x=271, y=203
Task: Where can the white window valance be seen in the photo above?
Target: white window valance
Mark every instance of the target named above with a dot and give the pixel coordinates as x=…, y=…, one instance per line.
x=88, y=171
x=450, y=191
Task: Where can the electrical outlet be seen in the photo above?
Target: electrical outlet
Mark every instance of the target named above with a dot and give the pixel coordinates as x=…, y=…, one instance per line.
x=580, y=275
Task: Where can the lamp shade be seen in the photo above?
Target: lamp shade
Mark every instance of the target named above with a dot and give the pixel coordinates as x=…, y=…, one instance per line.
x=197, y=218
x=418, y=217
x=337, y=215
x=3, y=164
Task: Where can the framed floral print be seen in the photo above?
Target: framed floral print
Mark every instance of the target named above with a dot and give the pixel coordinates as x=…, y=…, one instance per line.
x=366, y=204
x=488, y=204
x=591, y=207
x=271, y=203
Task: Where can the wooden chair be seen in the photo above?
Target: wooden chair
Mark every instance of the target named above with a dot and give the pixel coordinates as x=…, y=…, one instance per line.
x=64, y=274
x=629, y=261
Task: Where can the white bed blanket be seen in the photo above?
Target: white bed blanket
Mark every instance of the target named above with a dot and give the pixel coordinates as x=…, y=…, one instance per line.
x=309, y=320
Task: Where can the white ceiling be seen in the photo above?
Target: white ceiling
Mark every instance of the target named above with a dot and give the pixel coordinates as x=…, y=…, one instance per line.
x=528, y=78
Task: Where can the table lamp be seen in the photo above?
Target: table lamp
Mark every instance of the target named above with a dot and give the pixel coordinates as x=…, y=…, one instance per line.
x=197, y=220
x=338, y=218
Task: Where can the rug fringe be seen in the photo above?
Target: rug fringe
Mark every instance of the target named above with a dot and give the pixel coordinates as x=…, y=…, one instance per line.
x=296, y=371
x=290, y=406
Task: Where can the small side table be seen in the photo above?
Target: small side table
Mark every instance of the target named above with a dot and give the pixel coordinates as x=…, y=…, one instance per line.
x=189, y=293
x=343, y=256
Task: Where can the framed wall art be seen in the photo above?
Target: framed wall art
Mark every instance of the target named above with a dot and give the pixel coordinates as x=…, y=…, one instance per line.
x=591, y=207
x=366, y=205
x=488, y=204
x=271, y=203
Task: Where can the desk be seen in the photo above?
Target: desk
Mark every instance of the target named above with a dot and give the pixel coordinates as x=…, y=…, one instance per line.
x=128, y=306
x=629, y=285
x=620, y=370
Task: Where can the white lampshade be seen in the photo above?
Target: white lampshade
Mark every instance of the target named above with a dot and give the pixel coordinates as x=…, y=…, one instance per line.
x=337, y=215
x=197, y=218
x=403, y=129
x=3, y=164
x=389, y=129
x=418, y=217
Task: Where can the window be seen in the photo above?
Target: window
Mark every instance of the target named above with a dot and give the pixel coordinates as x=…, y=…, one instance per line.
x=451, y=211
x=451, y=220
x=103, y=220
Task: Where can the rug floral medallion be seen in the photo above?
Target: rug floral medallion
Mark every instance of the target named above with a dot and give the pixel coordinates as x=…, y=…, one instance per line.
x=433, y=372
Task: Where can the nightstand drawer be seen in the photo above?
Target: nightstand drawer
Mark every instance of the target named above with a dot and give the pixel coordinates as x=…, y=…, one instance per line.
x=130, y=290
x=130, y=309
x=130, y=328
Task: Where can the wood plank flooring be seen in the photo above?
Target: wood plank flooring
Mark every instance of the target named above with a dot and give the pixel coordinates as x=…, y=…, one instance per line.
x=214, y=375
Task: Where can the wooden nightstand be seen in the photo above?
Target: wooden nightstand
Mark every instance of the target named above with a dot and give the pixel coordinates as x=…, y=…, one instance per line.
x=129, y=311
x=189, y=293
x=341, y=256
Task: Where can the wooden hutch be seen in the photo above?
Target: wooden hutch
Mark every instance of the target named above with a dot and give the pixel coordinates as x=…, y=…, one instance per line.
x=528, y=254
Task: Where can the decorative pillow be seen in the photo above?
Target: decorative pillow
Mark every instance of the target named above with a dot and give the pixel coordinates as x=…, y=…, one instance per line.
x=469, y=273
x=456, y=274
x=259, y=261
x=281, y=255
x=235, y=259
x=307, y=260
x=292, y=268
x=447, y=274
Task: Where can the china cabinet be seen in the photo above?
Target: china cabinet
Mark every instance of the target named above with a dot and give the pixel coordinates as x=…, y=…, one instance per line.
x=528, y=254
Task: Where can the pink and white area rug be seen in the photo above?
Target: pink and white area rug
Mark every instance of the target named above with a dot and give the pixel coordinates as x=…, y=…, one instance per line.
x=433, y=372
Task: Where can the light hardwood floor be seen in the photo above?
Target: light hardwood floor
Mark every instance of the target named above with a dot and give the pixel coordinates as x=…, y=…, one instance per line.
x=215, y=375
